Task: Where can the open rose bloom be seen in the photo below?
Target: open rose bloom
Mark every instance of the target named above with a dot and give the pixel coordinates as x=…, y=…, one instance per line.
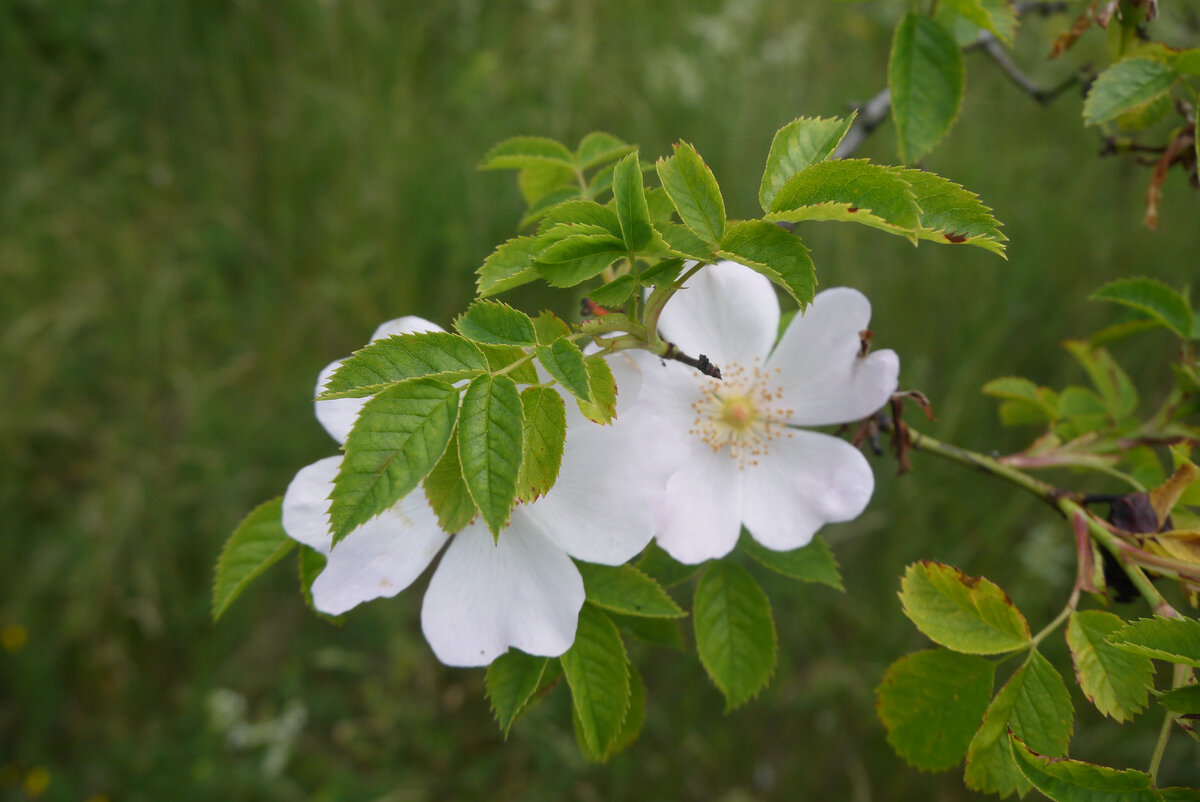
x=746, y=462
x=487, y=594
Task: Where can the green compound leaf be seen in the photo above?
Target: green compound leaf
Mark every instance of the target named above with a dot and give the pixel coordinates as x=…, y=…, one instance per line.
x=926, y=79
x=694, y=191
x=952, y=215
x=931, y=702
x=489, y=446
x=602, y=408
x=655, y=631
x=797, y=145
x=634, y=720
x=767, y=249
x=1124, y=86
x=1185, y=701
x=812, y=563
x=506, y=357
x=1117, y=682
x=1025, y=401
x=447, y=493
x=511, y=681
x=1176, y=640
x=399, y=436
x=616, y=293
x=257, y=543
x=685, y=244
x=1065, y=780
x=1108, y=377
x=597, y=670
x=550, y=200
x=966, y=614
x=549, y=327
x=545, y=431
x=630, y=199
x=536, y=181
x=526, y=151
x=582, y=213
x=735, y=633
x=436, y=354
x=1152, y=297
x=564, y=361
x=997, y=16
x=578, y=258
x=626, y=590
x=599, y=148
x=667, y=571
x=850, y=191
x=496, y=323
x=510, y=265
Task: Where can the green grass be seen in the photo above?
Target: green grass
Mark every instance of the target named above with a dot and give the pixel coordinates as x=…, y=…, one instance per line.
x=202, y=204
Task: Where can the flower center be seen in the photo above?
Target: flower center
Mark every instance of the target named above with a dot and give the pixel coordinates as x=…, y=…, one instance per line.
x=743, y=413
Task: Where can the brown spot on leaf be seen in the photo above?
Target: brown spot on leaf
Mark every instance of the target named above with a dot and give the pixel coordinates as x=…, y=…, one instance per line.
x=955, y=237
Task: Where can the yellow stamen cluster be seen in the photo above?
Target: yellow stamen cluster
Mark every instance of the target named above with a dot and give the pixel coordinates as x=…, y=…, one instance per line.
x=743, y=412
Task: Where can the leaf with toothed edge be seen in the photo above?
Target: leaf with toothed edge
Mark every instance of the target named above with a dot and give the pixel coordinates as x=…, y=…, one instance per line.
x=257, y=543
x=926, y=79
x=511, y=681
x=597, y=671
x=629, y=196
x=544, y=431
x=447, y=493
x=767, y=249
x=735, y=632
x=950, y=214
x=489, y=446
x=1117, y=682
x=563, y=360
x=626, y=590
x=966, y=614
x=694, y=191
x=852, y=191
x=797, y=145
x=1176, y=640
x=510, y=265
x=496, y=323
x=436, y=354
x=524, y=151
x=1068, y=780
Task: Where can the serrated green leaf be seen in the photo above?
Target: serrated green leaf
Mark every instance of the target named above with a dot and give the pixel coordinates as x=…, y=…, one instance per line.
x=510, y=265
x=655, y=631
x=1147, y=114
x=599, y=148
x=630, y=729
x=257, y=543
x=1124, y=86
x=665, y=569
x=602, y=386
x=735, y=632
x=1180, y=794
x=662, y=209
x=1035, y=705
x=1067, y=780
x=496, y=323
x=564, y=361
x=1152, y=297
x=1109, y=379
x=511, y=681
x=1185, y=701
x=767, y=249
x=537, y=180
x=1116, y=682
x=684, y=243
x=547, y=202
x=1028, y=402
x=581, y=213
x=626, y=590
x=931, y=702
x=926, y=79
x=615, y=294
x=694, y=191
x=1176, y=640
x=399, y=436
x=665, y=272
x=504, y=357
x=447, y=492
x=601, y=182
x=597, y=671
x=966, y=614
x=629, y=195
x=997, y=16
x=526, y=151
x=851, y=191
x=544, y=431
x=436, y=354
x=797, y=145
x=549, y=327
x=489, y=446
x=952, y=215
x=812, y=563
x=578, y=258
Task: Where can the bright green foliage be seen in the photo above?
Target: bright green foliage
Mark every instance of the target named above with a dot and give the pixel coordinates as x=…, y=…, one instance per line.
x=966, y=614
x=549, y=201
x=1035, y=705
x=1066, y=780
x=694, y=191
x=667, y=571
x=496, y=323
x=777, y=254
x=526, y=151
x=1110, y=380
x=926, y=78
x=630, y=199
x=684, y=243
x=1185, y=701
x=853, y=191
x=447, y=492
x=735, y=633
x=953, y=215
x=544, y=431
x=399, y=436
x=1115, y=681
x=599, y=148
x=997, y=16
x=563, y=360
x=1124, y=86
x=615, y=293
x=1151, y=297
x=655, y=631
x=540, y=179
x=581, y=213
x=624, y=589
x=634, y=720
x=603, y=389
x=511, y=680
x=578, y=258
x=436, y=354
x=812, y=563
x=489, y=446
x=666, y=271
x=258, y=543
x=1024, y=401
x=510, y=265
x=549, y=327
x=797, y=145
x=597, y=669
x=931, y=702
x=1176, y=640
x=513, y=360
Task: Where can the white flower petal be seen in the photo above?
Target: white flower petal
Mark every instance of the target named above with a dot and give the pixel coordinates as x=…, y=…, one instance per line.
x=699, y=515
x=338, y=415
x=727, y=312
x=823, y=379
x=380, y=558
x=485, y=597
x=306, y=504
x=805, y=481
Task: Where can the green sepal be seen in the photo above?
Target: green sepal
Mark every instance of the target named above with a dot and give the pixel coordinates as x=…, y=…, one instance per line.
x=694, y=191
x=563, y=360
x=1115, y=681
x=850, y=191
x=1126, y=85
x=511, y=681
x=496, y=323
x=1162, y=303
x=1176, y=640
x=812, y=563
x=436, y=354
x=597, y=671
x=796, y=145
x=926, y=79
x=447, y=493
x=525, y=151
x=967, y=614
x=489, y=446
x=735, y=632
x=544, y=432
x=626, y=590
x=258, y=542
x=767, y=249
x=1066, y=780
x=952, y=215
x=629, y=195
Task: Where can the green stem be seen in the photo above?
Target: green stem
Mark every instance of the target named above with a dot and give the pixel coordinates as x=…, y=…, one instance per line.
x=1059, y=619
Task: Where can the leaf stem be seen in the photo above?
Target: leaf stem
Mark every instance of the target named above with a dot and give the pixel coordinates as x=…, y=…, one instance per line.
x=1063, y=615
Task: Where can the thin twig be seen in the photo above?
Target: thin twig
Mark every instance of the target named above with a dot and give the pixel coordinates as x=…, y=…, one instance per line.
x=991, y=45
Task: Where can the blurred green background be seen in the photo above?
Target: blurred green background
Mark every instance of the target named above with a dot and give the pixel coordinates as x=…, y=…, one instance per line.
x=201, y=204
